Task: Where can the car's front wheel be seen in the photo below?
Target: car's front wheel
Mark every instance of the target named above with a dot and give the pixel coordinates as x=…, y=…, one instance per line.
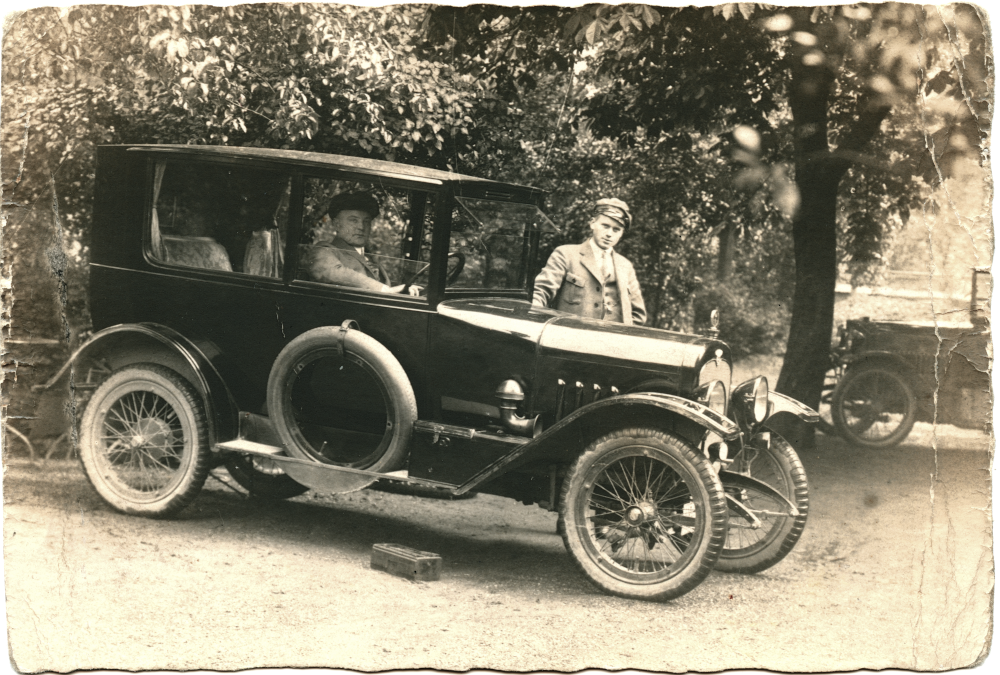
x=643, y=515
x=762, y=527
x=144, y=441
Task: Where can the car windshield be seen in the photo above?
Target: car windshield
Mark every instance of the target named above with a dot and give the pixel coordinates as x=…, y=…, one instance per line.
x=492, y=240
x=506, y=217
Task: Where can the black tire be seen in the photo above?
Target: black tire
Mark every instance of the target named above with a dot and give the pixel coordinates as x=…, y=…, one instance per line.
x=384, y=446
x=641, y=493
x=750, y=550
x=874, y=406
x=144, y=441
x=262, y=478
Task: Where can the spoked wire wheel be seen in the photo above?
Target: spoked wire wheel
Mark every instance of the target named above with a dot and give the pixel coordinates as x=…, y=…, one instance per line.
x=763, y=528
x=874, y=407
x=643, y=515
x=144, y=441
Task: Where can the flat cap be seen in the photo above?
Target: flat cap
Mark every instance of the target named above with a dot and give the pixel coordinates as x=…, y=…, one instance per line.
x=353, y=201
x=615, y=209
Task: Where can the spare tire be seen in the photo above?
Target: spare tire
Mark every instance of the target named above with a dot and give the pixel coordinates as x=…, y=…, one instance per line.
x=338, y=396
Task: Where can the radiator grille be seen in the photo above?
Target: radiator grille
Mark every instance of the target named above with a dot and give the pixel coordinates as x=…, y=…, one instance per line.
x=717, y=369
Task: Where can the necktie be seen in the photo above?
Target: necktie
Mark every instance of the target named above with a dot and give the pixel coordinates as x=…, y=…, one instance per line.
x=606, y=265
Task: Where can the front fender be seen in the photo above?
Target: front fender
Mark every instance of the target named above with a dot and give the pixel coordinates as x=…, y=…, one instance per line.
x=561, y=443
x=779, y=403
x=125, y=344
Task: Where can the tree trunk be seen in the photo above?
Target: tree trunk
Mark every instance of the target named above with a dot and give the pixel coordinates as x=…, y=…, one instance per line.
x=814, y=228
x=814, y=231
x=726, y=245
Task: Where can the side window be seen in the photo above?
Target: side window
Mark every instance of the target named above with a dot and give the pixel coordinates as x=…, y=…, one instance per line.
x=365, y=236
x=218, y=217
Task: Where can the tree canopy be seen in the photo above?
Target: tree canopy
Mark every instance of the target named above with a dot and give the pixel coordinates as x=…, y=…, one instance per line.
x=805, y=132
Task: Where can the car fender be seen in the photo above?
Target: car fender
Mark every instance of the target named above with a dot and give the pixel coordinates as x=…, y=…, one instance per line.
x=570, y=435
x=780, y=404
x=125, y=344
x=870, y=357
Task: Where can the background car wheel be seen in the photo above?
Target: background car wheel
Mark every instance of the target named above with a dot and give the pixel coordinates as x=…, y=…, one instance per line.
x=750, y=550
x=643, y=515
x=874, y=407
x=353, y=408
x=144, y=441
x=262, y=477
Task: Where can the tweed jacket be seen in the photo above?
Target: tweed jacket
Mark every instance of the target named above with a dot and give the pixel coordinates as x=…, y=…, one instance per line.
x=571, y=282
x=338, y=262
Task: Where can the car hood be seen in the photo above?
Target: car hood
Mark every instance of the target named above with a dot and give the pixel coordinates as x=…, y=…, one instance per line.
x=555, y=332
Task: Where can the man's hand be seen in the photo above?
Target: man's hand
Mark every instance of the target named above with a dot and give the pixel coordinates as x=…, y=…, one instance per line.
x=412, y=290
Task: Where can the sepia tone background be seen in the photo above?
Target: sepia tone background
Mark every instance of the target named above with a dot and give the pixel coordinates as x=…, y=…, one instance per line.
x=793, y=167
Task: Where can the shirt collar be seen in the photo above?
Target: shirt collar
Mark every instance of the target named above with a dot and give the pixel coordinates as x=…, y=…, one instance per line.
x=598, y=251
x=360, y=250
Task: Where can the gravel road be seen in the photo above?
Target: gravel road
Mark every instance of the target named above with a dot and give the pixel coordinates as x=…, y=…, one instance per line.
x=895, y=569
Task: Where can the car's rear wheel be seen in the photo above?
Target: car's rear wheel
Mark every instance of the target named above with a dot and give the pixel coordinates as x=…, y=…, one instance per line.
x=262, y=477
x=874, y=406
x=144, y=441
x=755, y=545
x=643, y=514
x=340, y=397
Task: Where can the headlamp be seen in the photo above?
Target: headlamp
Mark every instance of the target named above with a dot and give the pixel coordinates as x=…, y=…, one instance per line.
x=713, y=396
x=751, y=399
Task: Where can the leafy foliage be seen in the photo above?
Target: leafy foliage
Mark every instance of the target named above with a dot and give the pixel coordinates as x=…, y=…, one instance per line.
x=326, y=78
x=696, y=72
x=698, y=117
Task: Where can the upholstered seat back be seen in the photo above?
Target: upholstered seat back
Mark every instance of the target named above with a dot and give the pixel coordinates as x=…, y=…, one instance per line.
x=201, y=252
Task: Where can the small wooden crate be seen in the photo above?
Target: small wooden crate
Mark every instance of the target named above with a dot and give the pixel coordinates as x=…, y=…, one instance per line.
x=406, y=562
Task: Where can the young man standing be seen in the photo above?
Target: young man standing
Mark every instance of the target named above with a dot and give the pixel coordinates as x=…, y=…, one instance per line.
x=590, y=279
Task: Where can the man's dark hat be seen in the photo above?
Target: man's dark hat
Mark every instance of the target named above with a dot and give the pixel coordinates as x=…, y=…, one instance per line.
x=353, y=201
x=615, y=209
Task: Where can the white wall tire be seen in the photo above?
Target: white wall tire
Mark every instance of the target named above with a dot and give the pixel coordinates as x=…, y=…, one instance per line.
x=390, y=445
x=144, y=441
x=643, y=515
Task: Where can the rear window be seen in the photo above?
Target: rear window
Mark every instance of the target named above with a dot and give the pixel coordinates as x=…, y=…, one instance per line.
x=222, y=218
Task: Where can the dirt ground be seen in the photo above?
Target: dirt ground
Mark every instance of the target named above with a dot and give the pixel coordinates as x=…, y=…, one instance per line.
x=895, y=569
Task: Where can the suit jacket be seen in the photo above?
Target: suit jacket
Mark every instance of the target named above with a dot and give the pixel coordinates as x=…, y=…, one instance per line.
x=571, y=282
x=338, y=262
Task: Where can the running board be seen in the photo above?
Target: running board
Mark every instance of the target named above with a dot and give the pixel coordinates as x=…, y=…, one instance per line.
x=249, y=447
x=326, y=477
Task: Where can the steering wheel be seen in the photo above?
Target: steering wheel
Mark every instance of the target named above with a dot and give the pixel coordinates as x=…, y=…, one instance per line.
x=453, y=273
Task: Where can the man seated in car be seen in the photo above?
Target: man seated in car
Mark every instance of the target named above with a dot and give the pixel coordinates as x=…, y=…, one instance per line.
x=338, y=253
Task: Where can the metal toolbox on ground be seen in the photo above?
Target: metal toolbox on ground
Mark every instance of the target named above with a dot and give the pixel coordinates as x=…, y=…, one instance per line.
x=406, y=562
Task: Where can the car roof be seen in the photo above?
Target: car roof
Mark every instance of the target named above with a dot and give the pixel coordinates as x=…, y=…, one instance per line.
x=373, y=167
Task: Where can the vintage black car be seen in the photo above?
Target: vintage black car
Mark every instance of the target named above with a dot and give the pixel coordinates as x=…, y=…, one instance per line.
x=213, y=346
x=887, y=375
